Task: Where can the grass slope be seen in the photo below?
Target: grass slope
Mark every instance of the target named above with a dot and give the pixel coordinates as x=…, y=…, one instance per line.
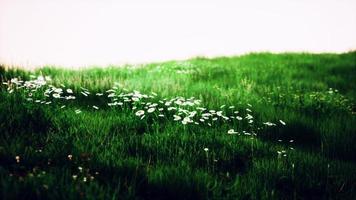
x=51, y=152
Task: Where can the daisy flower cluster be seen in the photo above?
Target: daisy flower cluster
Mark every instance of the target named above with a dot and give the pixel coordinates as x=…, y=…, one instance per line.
x=186, y=111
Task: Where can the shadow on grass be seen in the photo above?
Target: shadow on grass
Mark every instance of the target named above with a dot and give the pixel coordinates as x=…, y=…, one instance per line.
x=127, y=180
x=301, y=135
x=17, y=117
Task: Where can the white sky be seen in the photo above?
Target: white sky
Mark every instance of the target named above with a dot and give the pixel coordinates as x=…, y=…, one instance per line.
x=100, y=32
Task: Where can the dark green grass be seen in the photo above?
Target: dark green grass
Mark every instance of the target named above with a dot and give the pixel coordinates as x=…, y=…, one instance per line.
x=130, y=158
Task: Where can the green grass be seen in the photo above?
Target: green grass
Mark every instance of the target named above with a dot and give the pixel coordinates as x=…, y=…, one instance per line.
x=124, y=157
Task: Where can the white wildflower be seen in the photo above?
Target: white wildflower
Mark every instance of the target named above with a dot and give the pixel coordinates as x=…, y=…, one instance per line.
x=140, y=113
x=176, y=117
x=70, y=97
x=151, y=110
x=231, y=131
x=135, y=99
x=282, y=122
x=56, y=95
x=248, y=116
x=111, y=95
x=269, y=124
x=187, y=120
x=171, y=108
x=58, y=90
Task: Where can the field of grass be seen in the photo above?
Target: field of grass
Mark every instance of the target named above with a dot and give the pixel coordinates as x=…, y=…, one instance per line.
x=258, y=126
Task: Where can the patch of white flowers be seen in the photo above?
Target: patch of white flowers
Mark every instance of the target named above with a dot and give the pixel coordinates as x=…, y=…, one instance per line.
x=180, y=109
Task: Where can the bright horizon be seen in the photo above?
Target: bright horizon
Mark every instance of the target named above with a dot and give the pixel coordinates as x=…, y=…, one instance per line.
x=79, y=33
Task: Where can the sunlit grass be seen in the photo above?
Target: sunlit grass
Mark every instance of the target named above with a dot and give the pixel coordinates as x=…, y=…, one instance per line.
x=260, y=126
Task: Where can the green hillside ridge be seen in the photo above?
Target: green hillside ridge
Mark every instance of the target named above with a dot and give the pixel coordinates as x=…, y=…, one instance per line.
x=257, y=126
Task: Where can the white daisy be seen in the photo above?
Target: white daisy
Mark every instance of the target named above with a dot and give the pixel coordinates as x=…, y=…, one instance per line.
x=176, y=117
x=151, y=110
x=55, y=95
x=140, y=113
x=231, y=131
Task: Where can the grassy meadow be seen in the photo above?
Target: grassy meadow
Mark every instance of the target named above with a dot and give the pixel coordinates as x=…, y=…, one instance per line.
x=257, y=126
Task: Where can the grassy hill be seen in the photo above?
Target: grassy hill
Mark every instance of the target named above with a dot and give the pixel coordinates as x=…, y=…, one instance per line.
x=258, y=126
